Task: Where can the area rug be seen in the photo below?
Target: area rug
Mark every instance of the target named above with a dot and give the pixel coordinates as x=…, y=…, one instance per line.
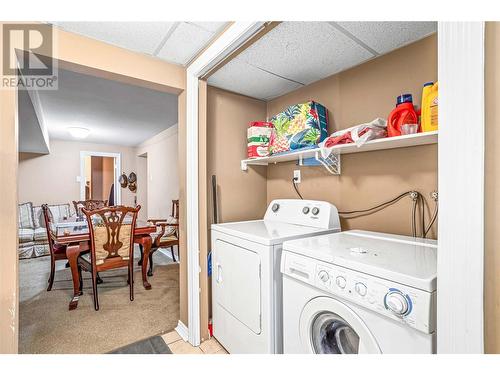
x=46, y=325
x=153, y=345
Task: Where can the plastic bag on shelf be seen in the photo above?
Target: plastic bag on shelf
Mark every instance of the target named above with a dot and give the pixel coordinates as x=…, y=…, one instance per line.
x=358, y=134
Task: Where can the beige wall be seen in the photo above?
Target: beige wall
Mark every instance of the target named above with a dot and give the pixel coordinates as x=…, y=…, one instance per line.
x=52, y=178
x=162, y=171
x=355, y=96
x=241, y=196
x=492, y=190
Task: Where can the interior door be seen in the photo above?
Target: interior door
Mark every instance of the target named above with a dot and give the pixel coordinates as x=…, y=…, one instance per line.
x=238, y=283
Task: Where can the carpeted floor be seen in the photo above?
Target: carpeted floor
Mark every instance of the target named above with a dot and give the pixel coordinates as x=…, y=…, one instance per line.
x=47, y=326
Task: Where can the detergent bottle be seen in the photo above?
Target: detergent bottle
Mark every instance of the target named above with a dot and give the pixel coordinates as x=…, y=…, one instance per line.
x=404, y=113
x=430, y=107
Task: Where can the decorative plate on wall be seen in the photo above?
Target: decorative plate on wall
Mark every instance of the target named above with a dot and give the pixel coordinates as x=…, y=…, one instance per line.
x=123, y=180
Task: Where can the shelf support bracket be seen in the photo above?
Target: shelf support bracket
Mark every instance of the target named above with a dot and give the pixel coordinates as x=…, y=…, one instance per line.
x=331, y=163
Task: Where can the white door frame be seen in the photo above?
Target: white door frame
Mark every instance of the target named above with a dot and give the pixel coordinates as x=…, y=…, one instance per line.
x=461, y=188
x=118, y=167
x=230, y=40
x=460, y=173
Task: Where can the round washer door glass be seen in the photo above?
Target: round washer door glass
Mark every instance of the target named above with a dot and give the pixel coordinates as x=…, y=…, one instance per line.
x=330, y=334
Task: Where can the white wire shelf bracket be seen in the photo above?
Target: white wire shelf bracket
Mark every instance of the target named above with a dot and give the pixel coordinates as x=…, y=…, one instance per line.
x=332, y=163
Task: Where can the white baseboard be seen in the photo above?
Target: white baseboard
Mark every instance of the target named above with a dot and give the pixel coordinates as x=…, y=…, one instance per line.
x=168, y=254
x=182, y=330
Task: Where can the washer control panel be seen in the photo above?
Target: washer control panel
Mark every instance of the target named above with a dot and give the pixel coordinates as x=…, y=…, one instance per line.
x=413, y=307
x=317, y=214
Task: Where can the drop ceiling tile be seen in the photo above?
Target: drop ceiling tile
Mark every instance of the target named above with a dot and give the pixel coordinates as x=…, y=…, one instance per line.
x=240, y=77
x=305, y=51
x=184, y=43
x=137, y=36
x=213, y=27
x=387, y=36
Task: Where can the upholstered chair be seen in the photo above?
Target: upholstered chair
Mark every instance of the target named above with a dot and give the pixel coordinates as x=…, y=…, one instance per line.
x=166, y=236
x=90, y=204
x=56, y=251
x=111, y=243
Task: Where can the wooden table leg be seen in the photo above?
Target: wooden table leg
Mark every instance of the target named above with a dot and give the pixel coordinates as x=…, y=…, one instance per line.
x=147, y=242
x=72, y=253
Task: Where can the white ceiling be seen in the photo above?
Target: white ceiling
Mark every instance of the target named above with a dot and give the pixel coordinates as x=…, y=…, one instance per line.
x=176, y=42
x=115, y=113
x=295, y=54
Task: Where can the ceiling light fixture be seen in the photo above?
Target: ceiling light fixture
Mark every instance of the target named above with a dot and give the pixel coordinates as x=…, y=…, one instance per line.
x=79, y=133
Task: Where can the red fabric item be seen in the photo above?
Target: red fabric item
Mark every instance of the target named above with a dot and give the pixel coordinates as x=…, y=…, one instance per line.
x=59, y=249
x=261, y=124
x=342, y=139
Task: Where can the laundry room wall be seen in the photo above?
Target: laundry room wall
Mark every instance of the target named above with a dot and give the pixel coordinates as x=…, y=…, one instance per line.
x=352, y=97
x=492, y=190
x=241, y=196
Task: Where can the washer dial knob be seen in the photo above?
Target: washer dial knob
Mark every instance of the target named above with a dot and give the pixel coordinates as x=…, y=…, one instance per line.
x=323, y=276
x=275, y=207
x=305, y=210
x=341, y=282
x=396, y=302
x=360, y=288
x=315, y=211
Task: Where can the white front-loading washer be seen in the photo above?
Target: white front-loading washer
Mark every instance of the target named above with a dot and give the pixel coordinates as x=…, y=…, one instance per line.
x=246, y=278
x=359, y=292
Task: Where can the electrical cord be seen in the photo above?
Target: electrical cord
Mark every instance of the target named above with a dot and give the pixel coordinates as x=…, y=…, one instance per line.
x=296, y=189
x=382, y=205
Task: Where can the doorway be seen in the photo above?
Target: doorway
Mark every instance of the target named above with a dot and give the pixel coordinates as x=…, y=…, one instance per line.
x=99, y=176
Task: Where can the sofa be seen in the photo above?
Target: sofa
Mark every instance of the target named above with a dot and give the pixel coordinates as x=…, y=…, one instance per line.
x=33, y=240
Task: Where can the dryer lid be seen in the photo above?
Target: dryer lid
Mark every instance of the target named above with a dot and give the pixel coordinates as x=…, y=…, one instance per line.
x=267, y=232
x=406, y=260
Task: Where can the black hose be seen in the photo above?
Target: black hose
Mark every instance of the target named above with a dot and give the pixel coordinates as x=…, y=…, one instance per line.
x=296, y=189
x=433, y=219
x=375, y=207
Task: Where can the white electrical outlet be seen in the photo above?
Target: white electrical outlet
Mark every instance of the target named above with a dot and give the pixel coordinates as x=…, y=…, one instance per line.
x=296, y=176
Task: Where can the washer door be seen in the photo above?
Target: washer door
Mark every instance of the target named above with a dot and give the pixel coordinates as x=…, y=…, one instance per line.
x=328, y=326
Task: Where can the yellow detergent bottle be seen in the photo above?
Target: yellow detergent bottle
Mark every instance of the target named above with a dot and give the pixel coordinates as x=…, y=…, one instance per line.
x=429, y=116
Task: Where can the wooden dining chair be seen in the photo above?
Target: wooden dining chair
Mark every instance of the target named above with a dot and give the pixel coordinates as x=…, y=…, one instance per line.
x=166, y=236
x=89, y=204
x=111, y=243
x=56, y=251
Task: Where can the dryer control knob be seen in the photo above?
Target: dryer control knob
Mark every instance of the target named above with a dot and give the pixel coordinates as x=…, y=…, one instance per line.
x=341, y=282
x=323, y=276
x=275, y=207
x=360, y=289
x=315, y=211
x=396, y=302
x=305, y=210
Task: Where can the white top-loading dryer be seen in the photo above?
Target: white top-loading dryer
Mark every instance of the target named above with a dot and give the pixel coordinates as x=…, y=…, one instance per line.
x=359, y=292
x=246, y=278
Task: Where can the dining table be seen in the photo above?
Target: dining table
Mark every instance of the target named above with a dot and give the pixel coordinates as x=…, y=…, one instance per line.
x=74, y=233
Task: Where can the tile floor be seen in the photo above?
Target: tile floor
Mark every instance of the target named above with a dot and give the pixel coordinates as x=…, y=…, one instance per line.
x=178, y=346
